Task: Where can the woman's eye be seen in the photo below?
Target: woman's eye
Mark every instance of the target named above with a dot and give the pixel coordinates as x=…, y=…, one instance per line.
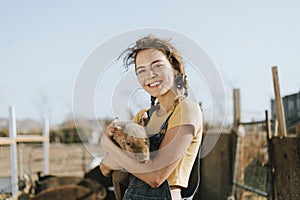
x=157, y=66
x=140, y=71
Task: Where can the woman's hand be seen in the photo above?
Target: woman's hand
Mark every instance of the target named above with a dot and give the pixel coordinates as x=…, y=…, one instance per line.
x=111, y=163
x=108, y=164
x=106, y=139
x=110, y=128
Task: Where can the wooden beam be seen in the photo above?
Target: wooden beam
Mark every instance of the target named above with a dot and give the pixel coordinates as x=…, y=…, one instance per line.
x=22, y=138
x=236, y=109
x=271, y=168
x=268, y=125
x=6, y=141
x=287, y=170
x=30, y=138
x=279, y=105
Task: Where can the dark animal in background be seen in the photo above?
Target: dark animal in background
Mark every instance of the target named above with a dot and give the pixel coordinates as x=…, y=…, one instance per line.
x=69, y=188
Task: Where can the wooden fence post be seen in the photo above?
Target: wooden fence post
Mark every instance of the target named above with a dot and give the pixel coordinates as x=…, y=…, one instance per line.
x=237, y=147
x=268, y=125
x=271, y=170
x=279, y=105
x=236, y=109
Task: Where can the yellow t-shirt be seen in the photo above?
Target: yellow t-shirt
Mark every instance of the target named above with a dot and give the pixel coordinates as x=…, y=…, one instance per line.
x=186, y=112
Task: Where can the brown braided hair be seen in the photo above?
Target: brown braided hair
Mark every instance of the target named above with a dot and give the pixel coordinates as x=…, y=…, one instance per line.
x=152, y=42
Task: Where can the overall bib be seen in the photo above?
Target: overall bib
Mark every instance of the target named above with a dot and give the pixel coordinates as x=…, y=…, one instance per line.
x=138, y=189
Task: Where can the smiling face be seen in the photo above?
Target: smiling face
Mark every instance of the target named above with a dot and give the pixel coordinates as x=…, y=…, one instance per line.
x=154, y=72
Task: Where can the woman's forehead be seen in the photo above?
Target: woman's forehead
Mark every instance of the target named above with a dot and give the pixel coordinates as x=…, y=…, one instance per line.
x=147, y=56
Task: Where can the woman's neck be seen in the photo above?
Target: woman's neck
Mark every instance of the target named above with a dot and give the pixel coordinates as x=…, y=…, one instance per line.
x=166, y=102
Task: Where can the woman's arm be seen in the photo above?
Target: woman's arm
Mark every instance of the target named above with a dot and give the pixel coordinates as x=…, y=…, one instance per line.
x=108, y=164
x=105, y=170
x=157, y=170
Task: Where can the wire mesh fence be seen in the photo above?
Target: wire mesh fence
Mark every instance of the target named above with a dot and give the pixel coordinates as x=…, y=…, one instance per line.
x=252, y=162
x=5, y=181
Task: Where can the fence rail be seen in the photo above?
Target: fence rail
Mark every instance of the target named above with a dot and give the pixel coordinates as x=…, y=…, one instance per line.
x=12, y=142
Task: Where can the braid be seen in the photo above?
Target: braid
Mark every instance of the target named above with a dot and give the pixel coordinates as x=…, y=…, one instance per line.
x=153, y=101
x=185, y=86
x=181, y=83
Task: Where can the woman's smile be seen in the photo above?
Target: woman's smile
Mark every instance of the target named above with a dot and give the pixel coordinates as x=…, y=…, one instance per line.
x=155, y=84
x=154, y=72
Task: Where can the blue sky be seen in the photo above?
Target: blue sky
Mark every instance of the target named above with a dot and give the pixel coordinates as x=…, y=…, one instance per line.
x=43, y=45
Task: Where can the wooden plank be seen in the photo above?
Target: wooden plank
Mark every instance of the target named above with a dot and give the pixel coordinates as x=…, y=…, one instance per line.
x=22, y=138
x=252, y=123
x=279, y=105
x=270, y=175
x=6, y=141
x=268, y=124
x=287, y=168
x=216, y=170
x=30, y=138
x=236, y=109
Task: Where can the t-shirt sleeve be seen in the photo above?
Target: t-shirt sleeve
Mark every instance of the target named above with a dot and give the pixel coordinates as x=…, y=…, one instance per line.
x=138, y=116
x=187, y=112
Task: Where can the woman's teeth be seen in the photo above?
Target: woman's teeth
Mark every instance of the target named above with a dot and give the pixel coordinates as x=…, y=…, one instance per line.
x=154, y=84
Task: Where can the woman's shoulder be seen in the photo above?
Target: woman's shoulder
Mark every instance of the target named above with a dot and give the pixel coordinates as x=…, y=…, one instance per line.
x=188, y=108
x=187, y=112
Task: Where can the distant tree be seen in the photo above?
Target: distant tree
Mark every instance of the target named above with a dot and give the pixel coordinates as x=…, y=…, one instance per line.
x=69, y=133
x=55, y=136
x=31, y=132
x=4, y=132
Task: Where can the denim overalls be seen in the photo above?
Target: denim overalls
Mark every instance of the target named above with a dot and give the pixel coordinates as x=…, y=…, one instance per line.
x=138, y=189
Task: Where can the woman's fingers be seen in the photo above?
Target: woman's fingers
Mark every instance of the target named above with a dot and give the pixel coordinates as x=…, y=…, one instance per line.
x=110, y=128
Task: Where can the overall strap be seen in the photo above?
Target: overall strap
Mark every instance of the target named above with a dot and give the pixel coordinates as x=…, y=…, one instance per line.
x=164, y=126
x=156, y=139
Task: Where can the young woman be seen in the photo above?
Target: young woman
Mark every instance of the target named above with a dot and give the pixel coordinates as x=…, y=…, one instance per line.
x=173, y=123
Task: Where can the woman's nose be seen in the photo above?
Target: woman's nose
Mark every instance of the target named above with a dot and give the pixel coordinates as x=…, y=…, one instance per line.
x=151, y=74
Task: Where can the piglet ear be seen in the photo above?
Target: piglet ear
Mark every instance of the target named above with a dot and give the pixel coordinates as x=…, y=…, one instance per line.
x=120, y=124
x=118, y=132
x=116, y=119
